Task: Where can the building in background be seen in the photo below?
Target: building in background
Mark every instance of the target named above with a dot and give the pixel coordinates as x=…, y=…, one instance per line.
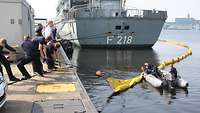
x=188, y=23
x=42, y=21
x=17, y=20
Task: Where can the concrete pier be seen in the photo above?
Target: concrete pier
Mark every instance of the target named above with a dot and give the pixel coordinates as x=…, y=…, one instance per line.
x=60, y=91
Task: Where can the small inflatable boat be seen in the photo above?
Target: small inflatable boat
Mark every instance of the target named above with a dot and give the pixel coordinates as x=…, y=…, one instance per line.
x=165, y=81
x=155, y=82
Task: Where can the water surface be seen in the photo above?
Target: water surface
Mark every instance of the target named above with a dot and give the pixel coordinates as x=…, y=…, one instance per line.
x=125, y=64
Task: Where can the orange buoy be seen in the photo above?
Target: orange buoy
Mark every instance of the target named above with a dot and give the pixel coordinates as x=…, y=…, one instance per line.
x=98, y=73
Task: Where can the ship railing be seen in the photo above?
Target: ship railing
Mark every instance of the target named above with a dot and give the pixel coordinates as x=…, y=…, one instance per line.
x=134, y=13
x=146, y=13
x=79, y=7
x=86, y=12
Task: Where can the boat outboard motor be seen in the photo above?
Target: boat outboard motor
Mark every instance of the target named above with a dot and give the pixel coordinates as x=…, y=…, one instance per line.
x=68, y=47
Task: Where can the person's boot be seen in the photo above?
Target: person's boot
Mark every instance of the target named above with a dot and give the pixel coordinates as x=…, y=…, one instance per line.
x=28, y=77
x=14, y=79
x=44, y=72
x=49, y=70
x=40, y=74
x=25, y=77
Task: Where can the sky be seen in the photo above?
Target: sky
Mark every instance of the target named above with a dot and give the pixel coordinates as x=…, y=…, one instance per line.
x=175, y=8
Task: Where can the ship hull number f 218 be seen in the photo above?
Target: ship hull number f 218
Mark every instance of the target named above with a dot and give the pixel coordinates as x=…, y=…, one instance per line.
x=120, y=40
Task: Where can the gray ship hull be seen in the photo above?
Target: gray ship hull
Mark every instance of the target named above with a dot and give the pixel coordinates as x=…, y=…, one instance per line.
x=114, y=32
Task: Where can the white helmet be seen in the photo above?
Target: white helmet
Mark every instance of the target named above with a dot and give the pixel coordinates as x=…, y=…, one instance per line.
x=146, y=64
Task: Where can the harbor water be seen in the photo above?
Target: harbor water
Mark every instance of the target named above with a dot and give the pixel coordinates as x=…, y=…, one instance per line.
x=125, y=64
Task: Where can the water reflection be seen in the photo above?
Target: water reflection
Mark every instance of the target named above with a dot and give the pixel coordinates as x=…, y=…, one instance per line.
x=112, y=59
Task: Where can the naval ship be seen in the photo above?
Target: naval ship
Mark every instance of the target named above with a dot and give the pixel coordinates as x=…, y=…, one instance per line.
x=108, y=24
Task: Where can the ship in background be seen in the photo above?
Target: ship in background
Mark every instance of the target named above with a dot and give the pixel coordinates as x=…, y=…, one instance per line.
x=108, y=24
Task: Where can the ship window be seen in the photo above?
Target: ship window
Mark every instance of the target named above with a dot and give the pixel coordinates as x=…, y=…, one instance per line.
x=118, y=27
x=12, y=21
x=20, y=21
x=126, y=27
x=87, y=10
x=116, y=14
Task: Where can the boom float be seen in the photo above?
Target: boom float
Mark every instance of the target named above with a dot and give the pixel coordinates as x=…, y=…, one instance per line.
x=121, y=85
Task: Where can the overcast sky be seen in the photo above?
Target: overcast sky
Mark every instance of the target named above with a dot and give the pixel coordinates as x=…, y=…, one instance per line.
x=175, y=8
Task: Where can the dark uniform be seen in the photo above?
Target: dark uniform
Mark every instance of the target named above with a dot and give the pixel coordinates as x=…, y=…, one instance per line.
x=37, y=64
x=156, y=72
x=6, y=63
x=50, y=49
x=147, y=69
x=1, y=69
x=174, y=72
x=31, y=56
x=54, y=31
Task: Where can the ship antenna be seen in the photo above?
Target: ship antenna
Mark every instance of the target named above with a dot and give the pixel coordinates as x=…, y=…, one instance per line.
x=124, y=3
x=90, y=3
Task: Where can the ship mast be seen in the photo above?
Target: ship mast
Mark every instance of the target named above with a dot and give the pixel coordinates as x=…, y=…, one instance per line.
x=90, y=3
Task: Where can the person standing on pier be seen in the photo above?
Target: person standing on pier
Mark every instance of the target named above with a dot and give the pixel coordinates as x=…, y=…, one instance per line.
x=50, y=30
x=39, y=42
x=4, y=61
x=51, y=49
x=30, y=56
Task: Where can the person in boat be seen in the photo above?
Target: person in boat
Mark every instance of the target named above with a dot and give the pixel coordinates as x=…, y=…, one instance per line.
x=156, y=72
x=151, y=69
x=174, y=72
x=146, y=68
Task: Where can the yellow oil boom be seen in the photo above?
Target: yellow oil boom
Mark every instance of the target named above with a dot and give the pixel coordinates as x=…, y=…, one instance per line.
x=121, y=85
x=177, y=59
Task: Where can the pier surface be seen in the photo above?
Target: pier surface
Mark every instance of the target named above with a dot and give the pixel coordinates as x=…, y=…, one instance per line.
x=60, y=91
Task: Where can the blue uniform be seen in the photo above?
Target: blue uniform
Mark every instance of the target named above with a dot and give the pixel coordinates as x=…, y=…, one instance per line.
x=37, y=41
x=174, y=72
x=31, y=56
x=29, y=49
x=30, y=52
